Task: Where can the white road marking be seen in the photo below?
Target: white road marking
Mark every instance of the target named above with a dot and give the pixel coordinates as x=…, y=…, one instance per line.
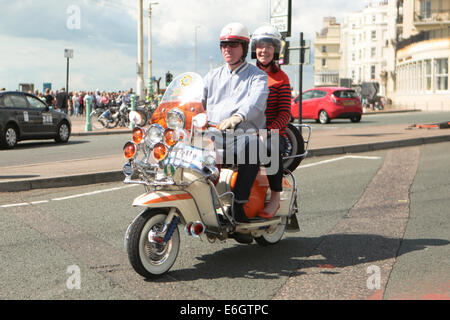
x=337, y=159
x=65, y=198
x=15, y=205
x=135, y=185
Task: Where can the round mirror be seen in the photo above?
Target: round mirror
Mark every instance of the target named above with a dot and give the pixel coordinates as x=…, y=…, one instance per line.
x=200, y=120
x=135, y=117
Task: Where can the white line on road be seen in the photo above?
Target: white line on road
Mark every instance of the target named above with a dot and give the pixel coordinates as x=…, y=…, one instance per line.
x=135, y=185
x=91, y=193
x=337, y=159
x=65, y=198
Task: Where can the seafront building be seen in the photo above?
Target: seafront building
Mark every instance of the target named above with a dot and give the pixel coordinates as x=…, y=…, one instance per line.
x=404, y=45
x=326, y=54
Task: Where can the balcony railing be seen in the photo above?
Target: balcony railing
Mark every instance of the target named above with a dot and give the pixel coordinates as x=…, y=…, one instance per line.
x=422, y=36
x=432, y=16
x=326, y=78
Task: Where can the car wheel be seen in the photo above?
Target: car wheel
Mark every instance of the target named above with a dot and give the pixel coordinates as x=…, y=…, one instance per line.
x=355, y=118
x=9, y=137
x=323, y=117
x=63, y=132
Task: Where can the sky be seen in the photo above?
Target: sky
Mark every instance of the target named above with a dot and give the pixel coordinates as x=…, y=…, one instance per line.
x=103, y=36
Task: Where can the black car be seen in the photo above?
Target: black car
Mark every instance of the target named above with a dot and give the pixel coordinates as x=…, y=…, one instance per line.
x=24, y=116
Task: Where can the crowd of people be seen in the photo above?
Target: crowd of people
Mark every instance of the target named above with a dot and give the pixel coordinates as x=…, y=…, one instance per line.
x=74, y=102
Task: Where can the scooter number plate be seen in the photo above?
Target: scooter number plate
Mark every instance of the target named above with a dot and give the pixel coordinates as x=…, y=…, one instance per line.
x=187, y=157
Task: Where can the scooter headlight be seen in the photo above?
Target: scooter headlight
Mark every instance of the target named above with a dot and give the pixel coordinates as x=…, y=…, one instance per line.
x=155, y=133
x=175, y=118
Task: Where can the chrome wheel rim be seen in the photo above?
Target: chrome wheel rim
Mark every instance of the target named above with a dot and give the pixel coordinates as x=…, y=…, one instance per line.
x=323, y=117
x=64, y=132
x=155, y=254
x=11, y=137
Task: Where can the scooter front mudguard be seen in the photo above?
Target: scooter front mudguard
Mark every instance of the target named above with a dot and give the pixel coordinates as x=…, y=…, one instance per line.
x=183, y=201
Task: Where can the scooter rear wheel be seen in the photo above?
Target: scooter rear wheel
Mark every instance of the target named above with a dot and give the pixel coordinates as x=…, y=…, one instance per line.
x=269, y=238
x=147, y=258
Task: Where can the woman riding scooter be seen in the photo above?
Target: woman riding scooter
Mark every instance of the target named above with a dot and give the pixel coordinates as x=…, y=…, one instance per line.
x=265, y=47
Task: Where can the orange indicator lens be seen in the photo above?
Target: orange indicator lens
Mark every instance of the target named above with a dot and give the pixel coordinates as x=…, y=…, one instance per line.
x=159, y=151
x=129, y=150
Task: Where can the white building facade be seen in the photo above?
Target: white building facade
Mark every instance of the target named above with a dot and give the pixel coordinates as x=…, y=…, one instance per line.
x=364, y=45
x=326, y=54
x=422, y=53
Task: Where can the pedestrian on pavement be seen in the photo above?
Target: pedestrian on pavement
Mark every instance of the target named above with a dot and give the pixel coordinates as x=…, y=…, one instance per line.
x=62, y=99
x=70, y=110
x=48, y=97
x=104, y=100
x=265, y=48
x=81, y=101
x=235, y=94
x=76, y=104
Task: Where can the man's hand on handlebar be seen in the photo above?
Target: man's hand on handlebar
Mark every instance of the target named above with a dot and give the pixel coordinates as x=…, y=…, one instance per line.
x=230, y=123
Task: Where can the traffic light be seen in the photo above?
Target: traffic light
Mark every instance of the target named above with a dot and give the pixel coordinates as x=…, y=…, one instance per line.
x=169, y=77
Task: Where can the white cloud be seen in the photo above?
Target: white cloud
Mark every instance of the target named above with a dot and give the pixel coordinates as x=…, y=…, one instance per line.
x=105, y=50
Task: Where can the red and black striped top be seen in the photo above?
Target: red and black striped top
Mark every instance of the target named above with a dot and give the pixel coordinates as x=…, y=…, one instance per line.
x=278, y=111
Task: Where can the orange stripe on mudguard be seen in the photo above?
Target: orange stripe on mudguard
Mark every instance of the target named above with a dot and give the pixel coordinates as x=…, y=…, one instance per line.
x=173, y=197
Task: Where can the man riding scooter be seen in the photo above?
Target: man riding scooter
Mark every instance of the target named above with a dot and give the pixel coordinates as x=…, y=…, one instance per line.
x=235, y=96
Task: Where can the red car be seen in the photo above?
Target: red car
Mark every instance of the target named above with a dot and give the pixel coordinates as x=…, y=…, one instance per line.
x=326, y=103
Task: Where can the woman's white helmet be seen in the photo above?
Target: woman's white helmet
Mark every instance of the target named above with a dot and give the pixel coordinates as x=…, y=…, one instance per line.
x=268, y=34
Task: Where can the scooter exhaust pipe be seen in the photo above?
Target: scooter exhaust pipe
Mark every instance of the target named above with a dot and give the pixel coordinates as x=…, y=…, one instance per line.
x=195, y=229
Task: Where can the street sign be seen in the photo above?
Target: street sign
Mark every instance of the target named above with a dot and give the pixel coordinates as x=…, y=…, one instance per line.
x=280, y=16
x=68, y=53
x=294, y=52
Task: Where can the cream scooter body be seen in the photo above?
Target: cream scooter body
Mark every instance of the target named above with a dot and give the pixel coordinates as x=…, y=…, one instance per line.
x=183, y=186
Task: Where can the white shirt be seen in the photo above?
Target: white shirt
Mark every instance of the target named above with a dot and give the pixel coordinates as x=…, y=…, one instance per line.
x=243, y=91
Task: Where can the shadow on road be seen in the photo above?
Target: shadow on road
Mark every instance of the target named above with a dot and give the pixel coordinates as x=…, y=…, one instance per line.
x=291, y=255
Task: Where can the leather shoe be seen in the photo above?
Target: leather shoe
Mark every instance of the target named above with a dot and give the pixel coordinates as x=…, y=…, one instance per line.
x=239, y=214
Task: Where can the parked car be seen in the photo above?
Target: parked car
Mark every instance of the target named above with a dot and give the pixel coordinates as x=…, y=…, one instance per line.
x=24, y=116
x=326, y=103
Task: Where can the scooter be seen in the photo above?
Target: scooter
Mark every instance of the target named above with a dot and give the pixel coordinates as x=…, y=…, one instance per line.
x=176, y=161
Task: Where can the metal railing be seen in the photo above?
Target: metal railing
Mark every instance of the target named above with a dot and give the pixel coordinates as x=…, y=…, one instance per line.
x=432, y=16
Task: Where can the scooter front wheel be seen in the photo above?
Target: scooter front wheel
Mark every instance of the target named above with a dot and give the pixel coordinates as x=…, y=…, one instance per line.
x=272, y=236
x=149, y=258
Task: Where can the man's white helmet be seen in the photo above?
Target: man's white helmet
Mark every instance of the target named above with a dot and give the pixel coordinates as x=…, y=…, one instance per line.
x=268, y=34
x=234, y=31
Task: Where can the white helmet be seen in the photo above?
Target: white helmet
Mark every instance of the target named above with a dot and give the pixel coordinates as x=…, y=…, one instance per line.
x=268, y=34
x=236, y=32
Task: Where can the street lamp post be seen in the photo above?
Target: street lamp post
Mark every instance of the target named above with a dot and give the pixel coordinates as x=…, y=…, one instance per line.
x=195, y=49
x=150, y=73
x=140, y=38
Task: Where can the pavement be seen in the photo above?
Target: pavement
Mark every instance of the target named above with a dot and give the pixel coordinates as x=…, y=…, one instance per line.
x=323, y=142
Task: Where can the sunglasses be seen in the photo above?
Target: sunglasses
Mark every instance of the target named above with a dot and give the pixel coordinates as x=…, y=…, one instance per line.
x=229, y=44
